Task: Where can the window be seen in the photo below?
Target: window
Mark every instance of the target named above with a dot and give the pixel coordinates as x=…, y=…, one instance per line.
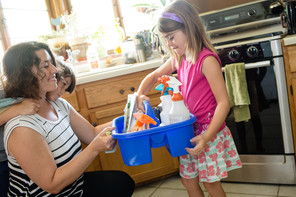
x=25, y=20
x=29, y=19
x=96, y=19
x=137, y=19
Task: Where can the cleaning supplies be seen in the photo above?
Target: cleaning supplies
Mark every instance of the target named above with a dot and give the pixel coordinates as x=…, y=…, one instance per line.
x=141, y=120
x=179, y=111
x=166, y=103
x=149, y=118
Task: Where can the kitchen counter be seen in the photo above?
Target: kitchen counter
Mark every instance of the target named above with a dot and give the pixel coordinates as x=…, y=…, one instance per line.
x=290, y=40
x=105, y=73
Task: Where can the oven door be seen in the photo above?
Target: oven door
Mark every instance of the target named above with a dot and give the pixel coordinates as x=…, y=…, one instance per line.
x=263, y=133
x=265, y=142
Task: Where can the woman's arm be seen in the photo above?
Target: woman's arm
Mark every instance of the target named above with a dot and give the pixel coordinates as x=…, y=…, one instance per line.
x=35, y=158
x=212, y=71
x=148, y=82
x=83, y=129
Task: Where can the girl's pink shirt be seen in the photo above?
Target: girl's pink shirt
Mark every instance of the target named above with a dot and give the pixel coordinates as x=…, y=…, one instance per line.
x=196, y=91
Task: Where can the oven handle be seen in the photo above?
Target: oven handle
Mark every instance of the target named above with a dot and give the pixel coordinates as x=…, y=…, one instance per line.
x=255, y=65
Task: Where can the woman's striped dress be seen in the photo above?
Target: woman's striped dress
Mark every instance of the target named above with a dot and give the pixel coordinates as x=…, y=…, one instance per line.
x=62, y=142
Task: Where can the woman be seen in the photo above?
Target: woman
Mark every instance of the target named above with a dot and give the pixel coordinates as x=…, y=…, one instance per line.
x=44, y=150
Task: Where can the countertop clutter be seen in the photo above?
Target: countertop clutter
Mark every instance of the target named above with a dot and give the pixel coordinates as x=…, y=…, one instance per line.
x=118, y=70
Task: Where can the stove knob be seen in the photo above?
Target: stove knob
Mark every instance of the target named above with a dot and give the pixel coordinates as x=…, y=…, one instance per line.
x=252, y=52
x=251, y=12
x=233, y=55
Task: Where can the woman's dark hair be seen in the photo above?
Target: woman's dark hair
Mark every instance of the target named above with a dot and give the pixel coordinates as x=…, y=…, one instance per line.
x=65, y=71
x=18, y=61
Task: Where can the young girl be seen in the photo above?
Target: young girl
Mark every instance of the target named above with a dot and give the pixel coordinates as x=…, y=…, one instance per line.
x=204, y=92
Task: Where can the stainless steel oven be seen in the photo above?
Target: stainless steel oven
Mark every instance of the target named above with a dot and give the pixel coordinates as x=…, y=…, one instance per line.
x=251, y=33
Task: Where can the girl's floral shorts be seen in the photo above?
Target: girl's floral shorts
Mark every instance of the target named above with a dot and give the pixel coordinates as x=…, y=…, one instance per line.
x=213, y=163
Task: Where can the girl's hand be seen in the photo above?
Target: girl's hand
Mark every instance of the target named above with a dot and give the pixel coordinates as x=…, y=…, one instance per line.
x=104, y=141
x=27, y=107
x=140, y=99
x=200, y=142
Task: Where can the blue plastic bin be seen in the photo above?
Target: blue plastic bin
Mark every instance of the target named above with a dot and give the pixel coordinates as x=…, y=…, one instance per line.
x=136, y=147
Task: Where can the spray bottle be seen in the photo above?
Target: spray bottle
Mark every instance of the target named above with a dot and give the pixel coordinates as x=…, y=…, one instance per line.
x=166, y=103
x=179, y=111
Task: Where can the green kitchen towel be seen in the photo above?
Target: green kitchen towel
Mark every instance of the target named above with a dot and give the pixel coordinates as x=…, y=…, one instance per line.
x=236, y=84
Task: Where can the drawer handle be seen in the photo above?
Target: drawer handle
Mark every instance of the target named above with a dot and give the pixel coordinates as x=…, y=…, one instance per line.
x=121, y=91
x=132, y=89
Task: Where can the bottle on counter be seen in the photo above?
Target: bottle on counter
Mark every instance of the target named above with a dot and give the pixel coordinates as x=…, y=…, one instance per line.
x=140, y=49
x=92, y=57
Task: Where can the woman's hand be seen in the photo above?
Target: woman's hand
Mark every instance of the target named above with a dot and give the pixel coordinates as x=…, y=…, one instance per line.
x=140, y=99
x=104, y=141
x=200, y=142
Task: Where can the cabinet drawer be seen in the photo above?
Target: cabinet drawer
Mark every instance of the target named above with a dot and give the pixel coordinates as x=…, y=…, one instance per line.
x=113, y=91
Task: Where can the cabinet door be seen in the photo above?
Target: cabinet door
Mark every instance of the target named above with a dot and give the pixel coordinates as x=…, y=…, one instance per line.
x=72, y=99
x=291, y=52
x=107, y=99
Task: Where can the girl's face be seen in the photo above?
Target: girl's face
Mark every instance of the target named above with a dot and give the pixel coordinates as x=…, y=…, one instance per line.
x=176, y=40
x=63, y=84
x=46, y=72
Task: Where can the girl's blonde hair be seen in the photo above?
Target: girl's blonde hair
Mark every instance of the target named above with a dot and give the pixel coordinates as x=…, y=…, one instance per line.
x=192, y=26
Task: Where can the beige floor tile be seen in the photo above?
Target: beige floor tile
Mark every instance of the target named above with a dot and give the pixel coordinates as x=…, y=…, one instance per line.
x=246, y=195
x=143, y=191
x=257, y=189
x=162, y=192
x=173, y=182
x=287, y=191
x=155, y=184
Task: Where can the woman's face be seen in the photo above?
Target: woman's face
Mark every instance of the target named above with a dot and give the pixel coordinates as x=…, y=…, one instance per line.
x=63, y=85
x=176, y=41
x=46, y=72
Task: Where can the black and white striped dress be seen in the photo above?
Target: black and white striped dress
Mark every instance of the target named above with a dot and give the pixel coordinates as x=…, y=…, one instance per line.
x=62, y=142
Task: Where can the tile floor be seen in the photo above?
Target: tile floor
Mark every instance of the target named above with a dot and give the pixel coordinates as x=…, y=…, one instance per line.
x=172, y=187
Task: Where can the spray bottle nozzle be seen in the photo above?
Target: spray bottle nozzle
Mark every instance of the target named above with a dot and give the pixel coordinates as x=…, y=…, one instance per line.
x=163, y=80
x=174, y=83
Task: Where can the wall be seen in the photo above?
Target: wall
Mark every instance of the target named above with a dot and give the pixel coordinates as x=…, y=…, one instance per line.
x=210, y=5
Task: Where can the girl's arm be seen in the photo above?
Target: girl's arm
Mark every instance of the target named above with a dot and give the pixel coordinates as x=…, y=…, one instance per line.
x=212, y=71
x=34, y=156
x=28, y=106
x=148, y=82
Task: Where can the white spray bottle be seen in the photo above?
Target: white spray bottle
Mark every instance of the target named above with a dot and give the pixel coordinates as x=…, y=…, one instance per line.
x=179, y=111
x=166, y=103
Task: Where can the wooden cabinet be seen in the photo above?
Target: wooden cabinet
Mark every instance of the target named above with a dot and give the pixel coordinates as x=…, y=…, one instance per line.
x=289, y=52
x=102, y=101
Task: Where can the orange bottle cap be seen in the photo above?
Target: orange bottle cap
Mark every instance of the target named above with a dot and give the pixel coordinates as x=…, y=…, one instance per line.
x=177, y=97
